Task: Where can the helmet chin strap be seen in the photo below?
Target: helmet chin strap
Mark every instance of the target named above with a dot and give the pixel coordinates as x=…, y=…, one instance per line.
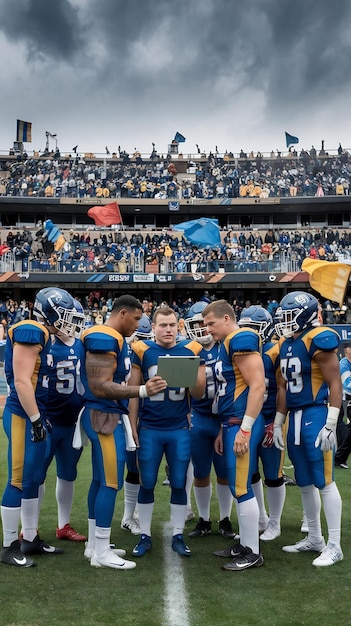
x=68, y=341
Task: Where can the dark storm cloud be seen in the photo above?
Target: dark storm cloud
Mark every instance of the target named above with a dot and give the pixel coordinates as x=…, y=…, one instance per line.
x=48, y=28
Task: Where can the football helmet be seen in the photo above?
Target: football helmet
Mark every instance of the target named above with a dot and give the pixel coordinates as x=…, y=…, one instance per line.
x=259, y=319
x=194, y=324
x=56, y=307
x=297, y=310
x=144, y=330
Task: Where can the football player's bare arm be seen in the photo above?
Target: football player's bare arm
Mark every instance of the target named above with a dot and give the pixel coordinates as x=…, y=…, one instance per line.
x=23, y=364
x=100, y=369
x=252, y=371
x=198, y=390
x=133, y=405
x=328, y=363
x=281, y=393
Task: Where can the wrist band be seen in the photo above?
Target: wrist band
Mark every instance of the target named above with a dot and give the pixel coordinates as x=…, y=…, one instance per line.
x=34, y=418
x=244, y=433
x=143, y=391
x=247, y=424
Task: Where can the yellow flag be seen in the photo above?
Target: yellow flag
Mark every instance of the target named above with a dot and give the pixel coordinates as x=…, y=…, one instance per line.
x=329, y=278
x=59, y=243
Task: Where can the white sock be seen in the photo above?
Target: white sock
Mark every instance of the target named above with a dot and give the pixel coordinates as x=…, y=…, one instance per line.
x=10, y=517
x=189, y=484
x=257, y=488
x=311, y=503
x=145, y=517
x=203, y=499
x=41, y=494
x=102, y=540
x=178, y=514
x=64, y=498
x=248, y=516
x=29, y=518
x=332, y=506
x=91, y=533
x=130, y=499
x=276, y=499
x=225, y=500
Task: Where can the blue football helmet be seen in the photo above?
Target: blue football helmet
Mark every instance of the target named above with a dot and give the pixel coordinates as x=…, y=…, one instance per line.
x=194, y=324
x=259, y=319
x=56, y=307
x=297, y=310
x=144, y=330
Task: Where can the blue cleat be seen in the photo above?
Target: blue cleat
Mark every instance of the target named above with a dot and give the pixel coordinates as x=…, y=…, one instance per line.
x=179, y=546
x=144, y=545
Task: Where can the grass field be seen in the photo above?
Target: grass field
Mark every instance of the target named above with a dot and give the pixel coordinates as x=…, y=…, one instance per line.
x=165, y=590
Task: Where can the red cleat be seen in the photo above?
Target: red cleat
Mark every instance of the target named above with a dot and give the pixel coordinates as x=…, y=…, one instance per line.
x=67, y=532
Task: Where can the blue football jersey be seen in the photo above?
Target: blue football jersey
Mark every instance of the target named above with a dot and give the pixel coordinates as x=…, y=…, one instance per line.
x=106, y=340
x=345, y=371
x=65, y=398
x=28, y=332
x=232, y=390
x=270, y=356
x=204, y=405
x=305, y=385
x=169, y=409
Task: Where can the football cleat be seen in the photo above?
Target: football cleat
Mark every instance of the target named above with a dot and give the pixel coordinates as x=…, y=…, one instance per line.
x=67, y=532
x=329, y=556
x=243, y=561
x=88, y=552
x=232, y=551
x=130, y=524
x=110, y=559
x=225, y=529
x=305, y=545
x=12, y=555
x=144, y=545
x=179, y=546
x=38, y=546
x=272, y=531
x=201, y=529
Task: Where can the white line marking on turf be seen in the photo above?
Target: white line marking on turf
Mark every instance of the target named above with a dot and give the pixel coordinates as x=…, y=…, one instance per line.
x=176, y=597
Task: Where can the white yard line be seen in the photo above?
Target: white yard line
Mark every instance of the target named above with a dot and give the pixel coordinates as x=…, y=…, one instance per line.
x=176, y=611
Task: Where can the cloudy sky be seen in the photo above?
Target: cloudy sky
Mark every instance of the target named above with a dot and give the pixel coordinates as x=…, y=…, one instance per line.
x=228, y=73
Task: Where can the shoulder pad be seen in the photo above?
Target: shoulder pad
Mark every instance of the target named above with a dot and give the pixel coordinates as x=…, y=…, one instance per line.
x=245, y=340
x=326, y=339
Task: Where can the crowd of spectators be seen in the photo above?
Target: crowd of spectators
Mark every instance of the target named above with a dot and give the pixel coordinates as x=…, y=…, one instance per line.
x=168, y=251
x=306, y=173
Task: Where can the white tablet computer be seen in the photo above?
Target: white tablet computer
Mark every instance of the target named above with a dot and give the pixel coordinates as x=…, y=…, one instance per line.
x=178, y=371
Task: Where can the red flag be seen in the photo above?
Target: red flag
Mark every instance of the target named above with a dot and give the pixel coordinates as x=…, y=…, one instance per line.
x=106, y=215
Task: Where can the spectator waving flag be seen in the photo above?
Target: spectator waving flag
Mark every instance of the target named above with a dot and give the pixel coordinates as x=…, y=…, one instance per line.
x=24, y=131
x=106, y=215
x=329, y=278
x=290, y=139
x=179, y=138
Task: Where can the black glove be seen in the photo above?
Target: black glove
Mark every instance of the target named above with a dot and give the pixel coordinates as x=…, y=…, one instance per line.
x=38, y=431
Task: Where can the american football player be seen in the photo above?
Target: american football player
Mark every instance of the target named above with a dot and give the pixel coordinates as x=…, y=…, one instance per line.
x=204, y=430
x=238, y=402
x=25, y=421
x=310, y=389
x=160, y=426
x=64, y=402
x=105, y=375
x=259, y=319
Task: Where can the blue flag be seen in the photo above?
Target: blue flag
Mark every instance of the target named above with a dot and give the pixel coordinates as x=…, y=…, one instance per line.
x=179, y=138
x=24, y=131
x=290, y=139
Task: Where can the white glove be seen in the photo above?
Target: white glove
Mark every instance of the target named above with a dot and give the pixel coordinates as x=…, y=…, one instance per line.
x=278, y=437
x=325, y=439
